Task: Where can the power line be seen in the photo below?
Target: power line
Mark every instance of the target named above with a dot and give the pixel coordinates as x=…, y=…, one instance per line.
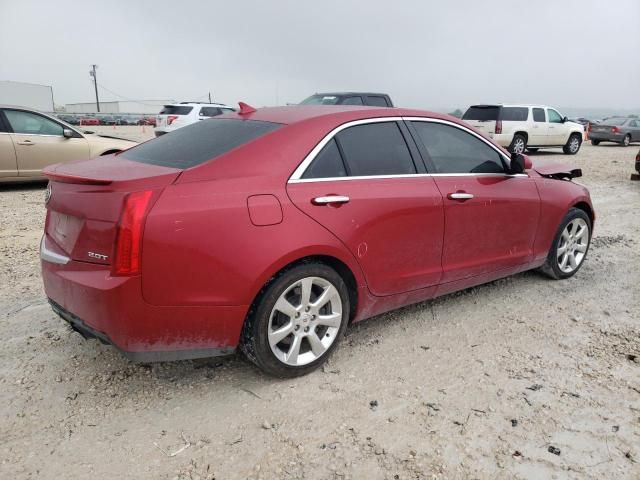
x=125, y=98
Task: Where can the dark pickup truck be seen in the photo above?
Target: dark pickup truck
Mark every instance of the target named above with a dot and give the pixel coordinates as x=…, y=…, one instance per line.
x=349, y=98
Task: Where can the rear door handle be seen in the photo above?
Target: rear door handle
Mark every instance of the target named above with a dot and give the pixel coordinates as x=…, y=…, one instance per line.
x=26, y=142
x=329, y=199
x=460, y=196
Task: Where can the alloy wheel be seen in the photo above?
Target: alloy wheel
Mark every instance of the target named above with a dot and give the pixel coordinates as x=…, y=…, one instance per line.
x=573, y=245
x=626, y=140
x=574, y=144
x=518, y=145
x=305, y=321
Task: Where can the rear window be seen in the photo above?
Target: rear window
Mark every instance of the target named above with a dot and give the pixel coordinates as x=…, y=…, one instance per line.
x=482, y=113
x=615, y=121
x=195, y=144
x=175, y=110
x=514, y=114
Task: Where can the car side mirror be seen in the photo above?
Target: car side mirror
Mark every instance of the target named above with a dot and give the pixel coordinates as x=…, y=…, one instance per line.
x=518, y=163
x=565, y=119
x=68, y=133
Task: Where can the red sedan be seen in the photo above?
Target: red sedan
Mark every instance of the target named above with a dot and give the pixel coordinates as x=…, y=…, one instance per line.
x=270, y=230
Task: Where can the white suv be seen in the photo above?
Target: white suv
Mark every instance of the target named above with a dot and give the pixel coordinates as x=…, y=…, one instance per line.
x=178, y=115
x=531, y=127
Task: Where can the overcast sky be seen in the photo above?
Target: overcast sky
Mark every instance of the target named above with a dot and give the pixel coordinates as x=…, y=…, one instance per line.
x=425, y=54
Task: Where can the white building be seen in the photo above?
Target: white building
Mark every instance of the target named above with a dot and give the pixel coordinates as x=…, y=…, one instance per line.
x=31, y=95
x=148, y=107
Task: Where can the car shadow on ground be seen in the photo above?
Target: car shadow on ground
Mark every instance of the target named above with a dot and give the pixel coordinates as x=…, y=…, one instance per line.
x=23, y=187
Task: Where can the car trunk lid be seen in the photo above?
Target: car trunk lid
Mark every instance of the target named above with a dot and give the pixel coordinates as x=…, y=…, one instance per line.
x=85, y=202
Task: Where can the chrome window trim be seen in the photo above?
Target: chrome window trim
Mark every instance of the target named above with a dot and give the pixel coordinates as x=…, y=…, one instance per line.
x=296, y=176
x=63, y=124
x=51, y=256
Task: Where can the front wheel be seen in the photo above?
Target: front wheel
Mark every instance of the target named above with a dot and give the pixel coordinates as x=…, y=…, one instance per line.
x=518, y=144
x=570, y=245
x=626, y=141
x=297, y=321
x=573, y=144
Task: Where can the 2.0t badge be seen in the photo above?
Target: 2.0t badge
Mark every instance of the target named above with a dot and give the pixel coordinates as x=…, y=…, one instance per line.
x=97, y=256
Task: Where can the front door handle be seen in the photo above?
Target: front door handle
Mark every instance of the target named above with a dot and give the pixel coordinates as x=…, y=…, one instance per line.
x=26, y=142
x=460, y=196
x=329, y=199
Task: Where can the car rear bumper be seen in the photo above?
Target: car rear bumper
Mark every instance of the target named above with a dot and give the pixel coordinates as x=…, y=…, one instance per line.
x=606, y=137
x=112, y=309
x=502, y=139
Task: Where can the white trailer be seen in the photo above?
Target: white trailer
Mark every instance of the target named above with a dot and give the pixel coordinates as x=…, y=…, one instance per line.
x=31, y=95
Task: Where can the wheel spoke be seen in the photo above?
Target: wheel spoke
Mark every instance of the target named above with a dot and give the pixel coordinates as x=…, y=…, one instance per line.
x=284, y=306
x=316, y=345
x=572, y=260
x=580, y=233
x=331, y=320
x=563, y=262
x=292, y=355
x=562, y=250
x=581, y=248
x=566, y=236
x=305, y=291
x=276, y=336
x=327, y=295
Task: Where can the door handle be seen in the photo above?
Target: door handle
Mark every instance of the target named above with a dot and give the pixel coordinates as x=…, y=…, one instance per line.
x=26, y=142
x=329, y=199
x=460, y=196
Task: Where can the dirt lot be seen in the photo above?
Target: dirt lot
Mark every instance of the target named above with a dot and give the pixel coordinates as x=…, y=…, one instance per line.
x=479, y=384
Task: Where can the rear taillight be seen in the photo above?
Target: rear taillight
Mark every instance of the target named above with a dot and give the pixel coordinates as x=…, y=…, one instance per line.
x=171, y=118
x=129, y=235
x=615, y=130
x=498, y=126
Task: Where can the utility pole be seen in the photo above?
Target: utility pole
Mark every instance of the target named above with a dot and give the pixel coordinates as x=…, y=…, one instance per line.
x=209, y=97
x=92, y=73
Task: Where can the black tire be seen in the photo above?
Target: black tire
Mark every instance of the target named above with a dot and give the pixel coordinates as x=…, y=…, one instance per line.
x=254, y=341
x=551, y=267
x=573, y=144
x=626, y=141
x=595, y=142
x=519, y=142
x=532, y=150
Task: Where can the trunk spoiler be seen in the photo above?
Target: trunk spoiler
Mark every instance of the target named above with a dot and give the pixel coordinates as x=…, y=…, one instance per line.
x=559, y=172
x=65, y=178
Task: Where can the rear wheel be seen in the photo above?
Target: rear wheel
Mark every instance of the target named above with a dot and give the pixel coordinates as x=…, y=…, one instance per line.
x=518, y=144
x=573, y=144
x=595, y=142
x=626, y=141
x=298, y=321
x=570, y=245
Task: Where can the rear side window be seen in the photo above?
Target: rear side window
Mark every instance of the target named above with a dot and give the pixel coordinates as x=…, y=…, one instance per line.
x=375, y=149
x=175, y=110
x=195, y=144
x=538, y=115
x=352, y=101
x=482, y=113
x=210, y=111
x=514, y=114
x=377, y=101
x=452, y=150
x=327, y=164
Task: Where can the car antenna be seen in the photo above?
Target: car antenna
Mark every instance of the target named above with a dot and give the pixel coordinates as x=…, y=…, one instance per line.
x=245, y=108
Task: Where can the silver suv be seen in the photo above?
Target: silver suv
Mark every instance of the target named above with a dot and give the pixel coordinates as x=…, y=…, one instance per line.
x=178, y=115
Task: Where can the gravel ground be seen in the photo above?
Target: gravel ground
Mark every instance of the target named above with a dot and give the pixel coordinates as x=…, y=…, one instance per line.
x=485, y=383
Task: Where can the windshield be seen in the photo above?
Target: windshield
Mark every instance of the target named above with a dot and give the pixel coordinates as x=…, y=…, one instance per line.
x=197, y=143
x=321, y=100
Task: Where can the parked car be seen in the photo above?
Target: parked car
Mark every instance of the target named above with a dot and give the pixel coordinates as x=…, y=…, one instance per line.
x=147, y=121
x=179, y=115
x=272, y=229
x=530, y=127
x=31, y=140
x=621, y=130
x=89, y=121
x=638, y=162
x=349, y=98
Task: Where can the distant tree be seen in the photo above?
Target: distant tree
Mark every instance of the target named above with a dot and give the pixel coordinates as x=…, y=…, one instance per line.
x=456, y=113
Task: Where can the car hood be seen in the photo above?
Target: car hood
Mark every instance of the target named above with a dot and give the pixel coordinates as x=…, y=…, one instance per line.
x=558, y=171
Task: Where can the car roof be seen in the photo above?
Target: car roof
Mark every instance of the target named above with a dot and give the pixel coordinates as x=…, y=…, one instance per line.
x=330, y=114
x=194, y=104
x=522, y=105
x=337, y=94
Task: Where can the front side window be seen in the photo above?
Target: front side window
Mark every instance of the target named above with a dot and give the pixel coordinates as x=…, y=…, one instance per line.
x=375, y=149
x=327, y=164
x=209, y=111
x=31, y=123
x=452, y=150
x=538, y=115
x=554, y=117
x=352, y=101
